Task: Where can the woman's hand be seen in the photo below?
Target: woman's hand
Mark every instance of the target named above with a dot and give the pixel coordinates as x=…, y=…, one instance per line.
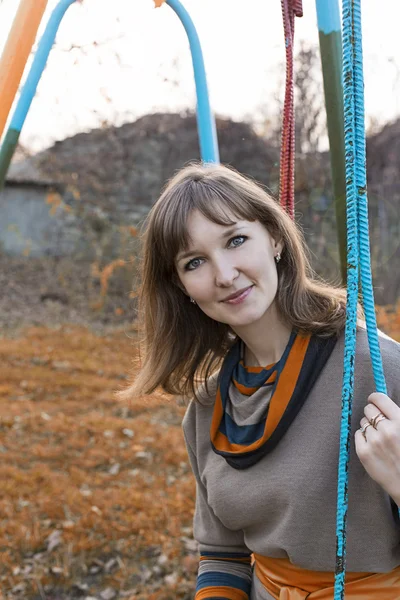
x=378, y=443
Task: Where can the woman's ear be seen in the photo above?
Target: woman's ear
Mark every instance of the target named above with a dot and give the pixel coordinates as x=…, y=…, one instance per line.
x=278, y=246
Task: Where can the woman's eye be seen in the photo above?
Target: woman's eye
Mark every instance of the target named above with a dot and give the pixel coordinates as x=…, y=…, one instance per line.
x=234, y=242
x=238, y=240
x=193, y=264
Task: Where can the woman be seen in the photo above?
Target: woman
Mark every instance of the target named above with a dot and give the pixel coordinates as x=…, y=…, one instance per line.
x=234, y=316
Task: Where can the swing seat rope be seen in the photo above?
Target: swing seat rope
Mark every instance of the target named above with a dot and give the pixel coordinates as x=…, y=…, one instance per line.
x=290, y=10
x=358, y=261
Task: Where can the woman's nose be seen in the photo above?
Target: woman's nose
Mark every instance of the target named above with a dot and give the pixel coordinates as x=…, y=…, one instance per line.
x=225, y=273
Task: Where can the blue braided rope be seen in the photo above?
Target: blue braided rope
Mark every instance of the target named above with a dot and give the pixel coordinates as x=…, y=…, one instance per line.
x=352, y=299
x=358, y=251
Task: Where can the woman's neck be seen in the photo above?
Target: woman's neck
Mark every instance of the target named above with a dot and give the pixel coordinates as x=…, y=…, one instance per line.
x=264, y=343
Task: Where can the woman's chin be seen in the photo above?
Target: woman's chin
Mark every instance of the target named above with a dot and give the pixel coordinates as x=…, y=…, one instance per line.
x=245, y=320
x=239, y=317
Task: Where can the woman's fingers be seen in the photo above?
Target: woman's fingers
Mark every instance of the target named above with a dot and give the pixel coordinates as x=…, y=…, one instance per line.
x=385, y=405
x=374, y=415
x=378, y=443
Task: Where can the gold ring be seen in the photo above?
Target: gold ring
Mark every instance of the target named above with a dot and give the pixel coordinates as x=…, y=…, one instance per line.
x=364, y=428
x=379, y=417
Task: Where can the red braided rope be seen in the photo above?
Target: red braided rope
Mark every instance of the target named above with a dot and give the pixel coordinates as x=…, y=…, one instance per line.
x=290, y=10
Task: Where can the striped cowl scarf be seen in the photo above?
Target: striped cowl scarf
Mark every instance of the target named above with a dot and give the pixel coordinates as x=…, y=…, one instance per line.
x=288, y=382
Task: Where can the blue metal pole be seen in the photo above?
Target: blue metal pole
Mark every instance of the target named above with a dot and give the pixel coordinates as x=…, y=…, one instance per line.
x=205, y=118
x=328, y=15
x=39, y=63
x=29, y=89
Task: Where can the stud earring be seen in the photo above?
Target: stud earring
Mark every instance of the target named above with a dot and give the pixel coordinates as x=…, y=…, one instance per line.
x=277, y=257
x=191, y=300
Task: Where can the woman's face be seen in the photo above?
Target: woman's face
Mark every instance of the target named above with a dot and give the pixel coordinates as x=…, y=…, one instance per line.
x=224, y=260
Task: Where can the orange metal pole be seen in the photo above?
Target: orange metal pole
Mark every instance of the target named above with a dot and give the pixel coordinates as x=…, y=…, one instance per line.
x=16, y=52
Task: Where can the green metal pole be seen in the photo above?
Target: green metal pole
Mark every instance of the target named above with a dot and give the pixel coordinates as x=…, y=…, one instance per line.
x=330, y=41
x=7, y=150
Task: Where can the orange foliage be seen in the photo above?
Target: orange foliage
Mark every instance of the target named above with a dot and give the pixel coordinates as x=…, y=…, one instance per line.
x=104, y=276
x=106, y=273
x=54, y=200
x=132, y=231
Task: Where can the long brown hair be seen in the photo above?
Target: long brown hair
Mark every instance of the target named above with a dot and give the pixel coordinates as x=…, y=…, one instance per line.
x=181, y=345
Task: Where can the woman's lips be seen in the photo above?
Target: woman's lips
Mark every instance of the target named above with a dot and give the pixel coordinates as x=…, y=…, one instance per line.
x=241, y=298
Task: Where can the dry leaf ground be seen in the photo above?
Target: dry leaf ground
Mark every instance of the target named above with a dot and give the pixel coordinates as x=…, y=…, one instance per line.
x=96, y=495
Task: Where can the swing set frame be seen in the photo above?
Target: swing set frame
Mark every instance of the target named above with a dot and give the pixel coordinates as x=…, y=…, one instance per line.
x=345, y=119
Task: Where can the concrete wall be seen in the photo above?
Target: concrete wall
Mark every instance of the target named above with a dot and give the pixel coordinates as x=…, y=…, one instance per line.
x=36, y=222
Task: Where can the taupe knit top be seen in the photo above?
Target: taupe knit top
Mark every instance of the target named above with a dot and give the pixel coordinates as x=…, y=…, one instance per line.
x=285, y=505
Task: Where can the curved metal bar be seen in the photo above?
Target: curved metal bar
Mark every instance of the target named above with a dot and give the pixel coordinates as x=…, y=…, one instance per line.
x=29, y=89
x=205, y=119
x=39, y=63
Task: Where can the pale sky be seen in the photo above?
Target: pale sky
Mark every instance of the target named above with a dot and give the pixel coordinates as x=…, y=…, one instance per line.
x=132, y=72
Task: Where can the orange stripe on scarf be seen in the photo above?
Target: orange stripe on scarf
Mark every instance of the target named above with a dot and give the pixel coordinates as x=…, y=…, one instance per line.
x=285, y=387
